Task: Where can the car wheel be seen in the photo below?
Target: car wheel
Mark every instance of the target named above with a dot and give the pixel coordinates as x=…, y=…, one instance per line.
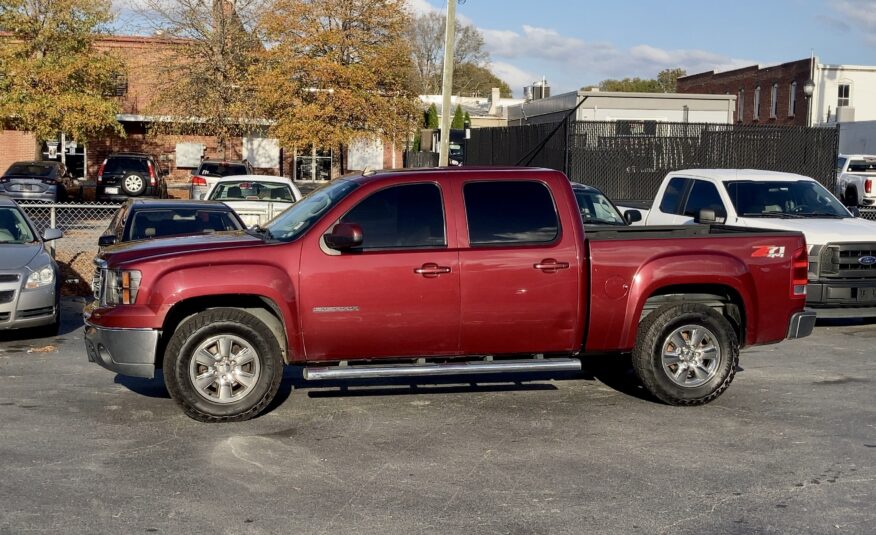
x=686, y=354
x=223, y=365
x=851, y=197
x=134, y=185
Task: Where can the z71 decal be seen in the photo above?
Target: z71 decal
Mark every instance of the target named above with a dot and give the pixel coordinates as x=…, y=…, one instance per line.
x=768, y=251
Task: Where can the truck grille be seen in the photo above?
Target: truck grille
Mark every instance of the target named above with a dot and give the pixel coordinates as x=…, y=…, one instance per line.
x=97, y=278
x=848, y=260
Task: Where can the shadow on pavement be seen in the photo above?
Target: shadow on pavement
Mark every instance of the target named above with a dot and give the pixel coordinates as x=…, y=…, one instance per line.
x=153, y=388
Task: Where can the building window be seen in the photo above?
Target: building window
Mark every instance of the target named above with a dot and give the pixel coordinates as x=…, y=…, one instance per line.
x=844, y=95
x=119, y=81
x=774, y=101
x=792, y=100
x=741, y=105
x=756, y=114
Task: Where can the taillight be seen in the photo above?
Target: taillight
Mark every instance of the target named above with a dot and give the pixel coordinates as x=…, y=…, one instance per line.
x=799, y=272
x=868, y=185
x=151, y=173
x=100, y=171
x=199, y=181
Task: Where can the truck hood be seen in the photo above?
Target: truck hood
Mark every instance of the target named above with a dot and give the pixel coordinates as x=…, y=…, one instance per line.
x=819, y=231
x=16, y=256
x=139, y=250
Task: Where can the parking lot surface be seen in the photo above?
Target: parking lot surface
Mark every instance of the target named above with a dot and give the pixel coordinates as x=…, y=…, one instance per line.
x=789, y=448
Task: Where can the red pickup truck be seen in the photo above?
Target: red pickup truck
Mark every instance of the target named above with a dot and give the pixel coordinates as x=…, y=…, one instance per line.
x=435, y=272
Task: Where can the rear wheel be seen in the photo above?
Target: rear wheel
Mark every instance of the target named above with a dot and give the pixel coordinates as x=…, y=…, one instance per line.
x=223, y=365
x=134, y=184
x=851, y=197
x=686, y=354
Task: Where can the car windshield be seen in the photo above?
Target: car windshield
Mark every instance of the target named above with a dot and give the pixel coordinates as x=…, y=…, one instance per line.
x=14, y=227
x=222, y=169
x=175, y=221
x=803, y=198
x=296, y=220
x=596, y=209
x=32, y=169
x=862, y=166
x=252, y=190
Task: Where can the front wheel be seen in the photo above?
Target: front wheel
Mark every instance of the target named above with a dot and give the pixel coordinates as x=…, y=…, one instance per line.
x=851, y=197
x=686, y=354
x=223, y=365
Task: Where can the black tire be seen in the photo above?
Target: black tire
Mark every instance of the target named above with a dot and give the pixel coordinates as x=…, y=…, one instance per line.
x=199, y=330
x=655, y=333
x=851, y=197
x=134, y=184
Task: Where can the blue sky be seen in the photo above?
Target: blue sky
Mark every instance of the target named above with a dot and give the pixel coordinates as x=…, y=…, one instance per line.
x=579, y=42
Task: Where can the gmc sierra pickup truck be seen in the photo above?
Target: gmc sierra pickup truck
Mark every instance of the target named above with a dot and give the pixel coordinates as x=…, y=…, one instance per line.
x=841, y=246
x=437, y=272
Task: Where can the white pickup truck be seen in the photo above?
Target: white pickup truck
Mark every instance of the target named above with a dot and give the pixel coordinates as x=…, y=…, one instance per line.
x=842, y=247
x=856, y=179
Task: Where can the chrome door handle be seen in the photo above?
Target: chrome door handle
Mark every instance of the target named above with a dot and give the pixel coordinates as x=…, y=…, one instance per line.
x=549, y=265
x=431, y=270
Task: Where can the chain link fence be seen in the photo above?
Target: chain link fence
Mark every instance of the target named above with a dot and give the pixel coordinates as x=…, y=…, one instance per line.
x=82, y=225
x=628, y=159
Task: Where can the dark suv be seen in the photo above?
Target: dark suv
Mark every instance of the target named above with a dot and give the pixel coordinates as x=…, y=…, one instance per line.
x=126, y=175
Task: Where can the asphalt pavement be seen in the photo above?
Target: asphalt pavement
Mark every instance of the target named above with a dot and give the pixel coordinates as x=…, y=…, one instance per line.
x=789, y=448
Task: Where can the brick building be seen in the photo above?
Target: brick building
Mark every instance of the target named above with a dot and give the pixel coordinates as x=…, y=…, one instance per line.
x=135, y=91
x=769, y=95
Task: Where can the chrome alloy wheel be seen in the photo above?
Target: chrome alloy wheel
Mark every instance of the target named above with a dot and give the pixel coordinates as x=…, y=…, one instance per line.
x=133, y=183
x=224, y=369
x=691, y=356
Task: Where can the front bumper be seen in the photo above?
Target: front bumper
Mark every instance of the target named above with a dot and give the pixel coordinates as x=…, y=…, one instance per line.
x=21, y=308
x=842, y=298
x=801, y=324
x=124, y=351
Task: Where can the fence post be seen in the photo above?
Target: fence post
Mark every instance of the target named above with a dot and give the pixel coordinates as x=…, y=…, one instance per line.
x=566, y=148
x=52, y=225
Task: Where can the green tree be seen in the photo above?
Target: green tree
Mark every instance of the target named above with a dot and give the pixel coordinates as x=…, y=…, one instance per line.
x=631, y=85
x=474, y=80
x=432, y=117
x=668, y=79
x=204, y=78
x=467, y=119
x=336, y=70
x=52, y=79
x=458, y=118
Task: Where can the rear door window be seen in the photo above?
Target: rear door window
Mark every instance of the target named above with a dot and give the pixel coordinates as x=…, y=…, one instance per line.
x=404, y=216
x=120, y=165
x=510, y=212
x=672, y=195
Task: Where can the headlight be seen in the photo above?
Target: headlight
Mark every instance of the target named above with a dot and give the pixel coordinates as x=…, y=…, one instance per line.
x=120, y=287
x=41, y=277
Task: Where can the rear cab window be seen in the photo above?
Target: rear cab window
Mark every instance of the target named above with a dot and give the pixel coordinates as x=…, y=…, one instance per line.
x=518, y=212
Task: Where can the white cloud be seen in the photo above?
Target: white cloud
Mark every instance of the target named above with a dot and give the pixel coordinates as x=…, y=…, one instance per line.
x=514, y=76
x=858, y=15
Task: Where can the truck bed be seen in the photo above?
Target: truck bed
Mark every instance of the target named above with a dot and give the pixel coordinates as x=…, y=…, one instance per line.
x=676, y=231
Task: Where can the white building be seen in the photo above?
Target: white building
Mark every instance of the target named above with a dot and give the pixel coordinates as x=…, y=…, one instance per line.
x=621, y=106
x=843, y=93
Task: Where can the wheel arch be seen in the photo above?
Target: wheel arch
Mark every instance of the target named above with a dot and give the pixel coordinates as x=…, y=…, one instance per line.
x=263, y=308
x=725, y=299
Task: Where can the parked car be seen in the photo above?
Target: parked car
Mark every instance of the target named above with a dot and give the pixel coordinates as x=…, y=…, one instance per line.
x=211, y=170
x=30, y=283
x=597, y=209
x=855, y=177
x=130, y=174
x=441, y=272
x=256, y=198
x=45, y=181
x=842, y=247
x=143, y=219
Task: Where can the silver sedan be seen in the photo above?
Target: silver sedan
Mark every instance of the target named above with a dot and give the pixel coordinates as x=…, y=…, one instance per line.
x=29, y=279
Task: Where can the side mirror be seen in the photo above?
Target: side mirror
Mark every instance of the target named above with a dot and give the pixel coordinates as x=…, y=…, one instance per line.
x=856, y=212
x=52, y=234
x=106, y=240
x=705, y=217
x=632, y=216
x=344, y=236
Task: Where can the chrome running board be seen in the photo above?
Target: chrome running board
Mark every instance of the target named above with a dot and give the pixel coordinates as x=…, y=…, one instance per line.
x=451, y=368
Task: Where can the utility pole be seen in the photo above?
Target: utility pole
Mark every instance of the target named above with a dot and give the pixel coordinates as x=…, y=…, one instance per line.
x=447, y=84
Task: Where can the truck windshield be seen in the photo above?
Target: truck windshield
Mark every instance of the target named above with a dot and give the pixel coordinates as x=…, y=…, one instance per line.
x=296, y=220
x=596, y=209
x=803, y=198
